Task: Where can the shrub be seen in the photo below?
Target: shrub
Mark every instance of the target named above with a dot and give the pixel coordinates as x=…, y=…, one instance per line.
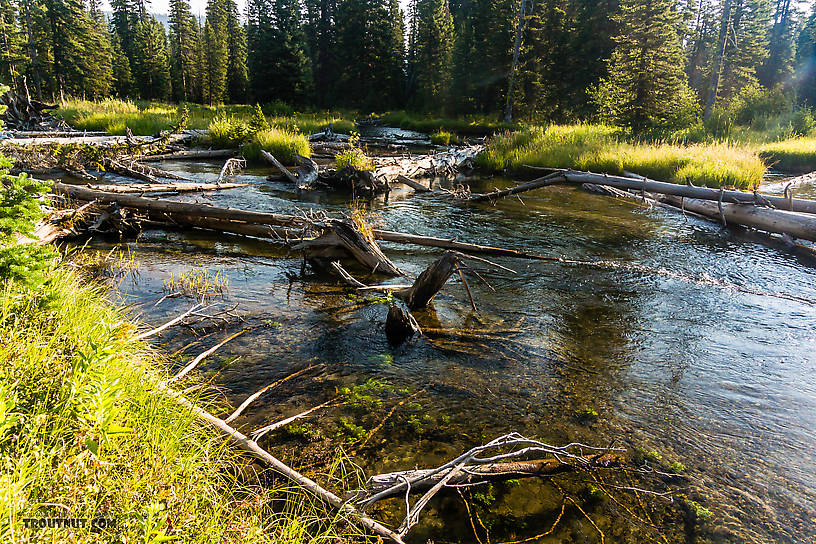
x=354, y=157
x=281, y=142
x=227, y=131
x=278, y=108
x=802, y=122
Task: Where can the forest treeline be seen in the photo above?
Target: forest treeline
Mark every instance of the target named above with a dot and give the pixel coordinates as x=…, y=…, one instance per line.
x=641, y=63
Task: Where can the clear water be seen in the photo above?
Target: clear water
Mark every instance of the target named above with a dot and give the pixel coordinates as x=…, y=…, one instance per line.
x=692, y=341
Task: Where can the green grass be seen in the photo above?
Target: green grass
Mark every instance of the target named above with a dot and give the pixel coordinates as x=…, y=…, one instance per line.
x=601, y=148
x=84, y=431
x=797, y=155
x=227, y=131
x=469, y=125
x=148, y=118
x=283, y=143
x=443, y=137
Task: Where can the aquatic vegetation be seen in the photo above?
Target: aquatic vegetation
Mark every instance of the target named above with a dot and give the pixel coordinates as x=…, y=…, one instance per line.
x=606, y=149
x=677, y=466
x=115, y=263
x=196, y=283
x=653, y=456
x=283, y=143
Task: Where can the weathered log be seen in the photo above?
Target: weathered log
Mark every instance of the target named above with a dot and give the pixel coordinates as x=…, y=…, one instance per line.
x=549, y=179
x=400, y=325
x=285, y=171
x=798, y=225
x=423, y=479
x=415, y=185
x=232, y=167
x=443, y=243
x=242, y=441
x=306, y=172
x=791, y=183
x=430, y=281
x=363, y=248
x=689, y=191
x=191, y=154
x=140, y=188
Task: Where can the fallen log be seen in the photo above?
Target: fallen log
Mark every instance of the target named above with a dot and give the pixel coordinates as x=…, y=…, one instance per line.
x=415, y=185
x=364, y=249
x=549, y=179
x=423, y=479
x=141, y=188
x=690, y=191
x=798, y=225
x=285, y=171
x=791, y=183
x=191, y=154
x=430, y=281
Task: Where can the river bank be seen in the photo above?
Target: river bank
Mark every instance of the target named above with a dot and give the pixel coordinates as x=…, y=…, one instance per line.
x=87, y=434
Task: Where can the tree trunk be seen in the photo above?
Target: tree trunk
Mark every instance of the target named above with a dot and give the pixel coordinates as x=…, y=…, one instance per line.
x=719, y=55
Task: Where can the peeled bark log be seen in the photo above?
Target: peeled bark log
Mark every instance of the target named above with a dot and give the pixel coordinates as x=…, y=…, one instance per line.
x=192, y=154
x=551, y=179
x=140, y=188
x=365, y=250
x=285, y=171
x=306, y=172
x=415, y=185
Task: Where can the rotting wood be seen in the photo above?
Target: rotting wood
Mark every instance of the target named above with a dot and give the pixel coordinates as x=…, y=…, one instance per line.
x=415, y=185
x=285, y=171
x=232, y=167
x=430, y=281
x=364, y=249
x=400, y=325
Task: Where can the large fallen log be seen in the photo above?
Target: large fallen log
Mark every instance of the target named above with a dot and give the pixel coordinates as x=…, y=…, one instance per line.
x=430, y=281
x=191, y=154
x=252, y=222
x=181, y=187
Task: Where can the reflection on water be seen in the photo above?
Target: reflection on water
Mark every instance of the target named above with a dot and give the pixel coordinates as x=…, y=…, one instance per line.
x=684, y=339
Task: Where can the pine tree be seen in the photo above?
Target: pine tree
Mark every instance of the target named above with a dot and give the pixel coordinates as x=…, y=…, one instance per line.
x=183, y=51
x=216, y=55
x=277, y=55
x=370, y=40
x=321, y=44
x=122, y=76
x=98, y=68
x=430, y=52
x=12, y=56
x=68, y=27
x=237, y=79
x=806, y=62
x=150, y=63
x=646, y=86
x=781, y=45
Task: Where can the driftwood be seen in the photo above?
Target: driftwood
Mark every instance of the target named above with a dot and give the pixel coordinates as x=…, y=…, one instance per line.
x=141, y=188
x=445, y=163
x=430, y=281
x=415, y=185
x=492, y=472
x=791, y=183
x=26, y=114
x=191, y=154
x=140, y=171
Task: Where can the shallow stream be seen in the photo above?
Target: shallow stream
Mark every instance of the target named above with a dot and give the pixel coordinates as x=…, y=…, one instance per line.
x=666, y=334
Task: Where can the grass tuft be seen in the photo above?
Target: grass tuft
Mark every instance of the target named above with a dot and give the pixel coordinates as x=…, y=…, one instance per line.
x=443, y=137
x=283, y=143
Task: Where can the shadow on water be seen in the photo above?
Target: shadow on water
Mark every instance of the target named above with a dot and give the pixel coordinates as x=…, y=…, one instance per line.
x=661, y=333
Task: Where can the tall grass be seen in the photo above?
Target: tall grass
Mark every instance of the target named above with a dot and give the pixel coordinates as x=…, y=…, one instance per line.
x=281, y=142
x=601, y=148
x=797, y=155
x=85, y=432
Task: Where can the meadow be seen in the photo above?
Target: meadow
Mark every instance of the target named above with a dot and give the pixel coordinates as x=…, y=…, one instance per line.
x=717, y=155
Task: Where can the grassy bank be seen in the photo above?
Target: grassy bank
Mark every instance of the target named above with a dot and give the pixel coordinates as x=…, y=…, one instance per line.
x=795, y=155
x=601, y=148
x=84, y=432
x=148, y=118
